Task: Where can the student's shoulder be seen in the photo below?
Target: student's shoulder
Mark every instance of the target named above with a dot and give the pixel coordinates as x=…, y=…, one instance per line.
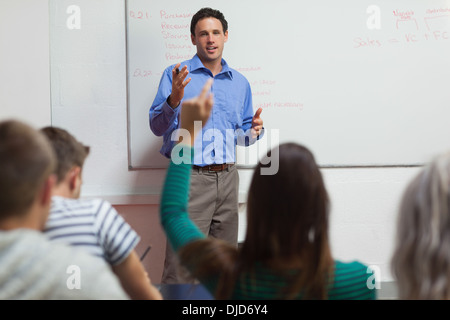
x=351, y=266
x=49, y=269
x=93, y=275
x=79, y=202
x=352, y=281
x=73, y=207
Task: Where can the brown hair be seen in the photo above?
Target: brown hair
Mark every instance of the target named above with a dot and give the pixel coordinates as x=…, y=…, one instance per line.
x=211, y=258
x=287, y=228
x=69, y=151
x=208, y=13
x=26, y=161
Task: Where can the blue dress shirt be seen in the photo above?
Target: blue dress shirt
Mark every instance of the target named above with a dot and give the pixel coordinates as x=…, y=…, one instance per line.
x=231, y=117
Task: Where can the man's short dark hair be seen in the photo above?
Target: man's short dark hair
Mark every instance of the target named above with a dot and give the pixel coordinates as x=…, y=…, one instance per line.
x=208, y=13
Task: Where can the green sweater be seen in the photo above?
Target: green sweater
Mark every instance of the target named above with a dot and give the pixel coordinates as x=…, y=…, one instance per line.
x=350, y=280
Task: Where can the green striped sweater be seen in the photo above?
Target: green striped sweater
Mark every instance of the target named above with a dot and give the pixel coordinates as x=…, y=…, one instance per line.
x=350, y=281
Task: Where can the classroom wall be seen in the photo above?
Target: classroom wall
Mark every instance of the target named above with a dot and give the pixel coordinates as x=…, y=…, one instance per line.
x=89, y=98
x=24, y=61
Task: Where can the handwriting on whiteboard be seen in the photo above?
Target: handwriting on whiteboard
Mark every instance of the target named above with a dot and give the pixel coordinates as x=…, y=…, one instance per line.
x=279, y=105
x=140, y=15
x=411, y=27
x=263, y=92
x=173, y=28
x=175, y=32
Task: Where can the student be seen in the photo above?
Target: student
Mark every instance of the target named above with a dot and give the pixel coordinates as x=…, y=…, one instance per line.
x=286, y=253
x=32, y=267
x=92, y=224
x=421, y=260
x=213, y=203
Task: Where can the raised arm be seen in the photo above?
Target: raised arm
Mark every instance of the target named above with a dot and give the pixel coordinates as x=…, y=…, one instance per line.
x=179, y=229
x=135, y=280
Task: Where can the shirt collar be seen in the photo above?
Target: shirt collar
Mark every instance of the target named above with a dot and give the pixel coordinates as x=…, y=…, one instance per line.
x=196, y=63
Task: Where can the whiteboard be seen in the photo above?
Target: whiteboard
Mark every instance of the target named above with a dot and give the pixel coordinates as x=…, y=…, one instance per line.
x=361, y=83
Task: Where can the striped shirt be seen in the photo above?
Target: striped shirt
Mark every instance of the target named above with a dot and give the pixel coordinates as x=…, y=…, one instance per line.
x=350, y=280
x=93, y=225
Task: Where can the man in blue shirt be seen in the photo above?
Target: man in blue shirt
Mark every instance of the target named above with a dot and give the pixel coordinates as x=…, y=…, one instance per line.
x=213, y=199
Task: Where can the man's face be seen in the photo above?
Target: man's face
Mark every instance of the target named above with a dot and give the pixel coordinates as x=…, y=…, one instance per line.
x=209, y=39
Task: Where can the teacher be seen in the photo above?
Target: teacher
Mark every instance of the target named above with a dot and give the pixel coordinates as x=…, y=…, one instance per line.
x=213, y=196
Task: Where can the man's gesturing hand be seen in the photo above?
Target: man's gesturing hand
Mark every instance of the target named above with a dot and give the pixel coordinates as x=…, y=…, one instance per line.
x=257, y=123
x=178, y=85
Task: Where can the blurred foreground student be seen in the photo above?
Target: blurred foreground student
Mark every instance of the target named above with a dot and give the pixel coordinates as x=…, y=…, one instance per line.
x=421, y=259
x=92, y=224
x=32, y=267
x=286, y=253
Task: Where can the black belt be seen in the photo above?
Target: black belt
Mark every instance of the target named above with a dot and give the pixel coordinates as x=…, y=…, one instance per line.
x=214, y=167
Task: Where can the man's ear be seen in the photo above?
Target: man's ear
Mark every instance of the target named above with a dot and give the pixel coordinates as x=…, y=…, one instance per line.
x=47, y=190
x=193, y=40
x=226, y=36
x=74, y=174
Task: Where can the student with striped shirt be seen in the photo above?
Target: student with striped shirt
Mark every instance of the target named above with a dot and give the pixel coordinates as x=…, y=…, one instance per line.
x=31, y=266
x=92, y=224
x=286, y=253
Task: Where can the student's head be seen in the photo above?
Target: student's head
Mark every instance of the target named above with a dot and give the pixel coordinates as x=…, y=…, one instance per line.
x=287, y=229
x=70, y=154
x=209, y=32
x=421, y=259
x=287, y=214
x=27, y=162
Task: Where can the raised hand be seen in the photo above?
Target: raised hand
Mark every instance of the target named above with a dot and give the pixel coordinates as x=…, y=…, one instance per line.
x=197, y=109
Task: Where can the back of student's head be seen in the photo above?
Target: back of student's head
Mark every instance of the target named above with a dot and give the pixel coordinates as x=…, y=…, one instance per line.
x=287, y=229
x=421, y=259
x=26, y=162
x=287, y=216
x=69, y=151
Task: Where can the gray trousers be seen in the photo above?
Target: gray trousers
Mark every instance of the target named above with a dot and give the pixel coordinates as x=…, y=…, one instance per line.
x=213, y=207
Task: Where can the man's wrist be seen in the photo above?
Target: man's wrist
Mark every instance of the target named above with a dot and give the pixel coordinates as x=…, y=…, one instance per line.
x=170, y=103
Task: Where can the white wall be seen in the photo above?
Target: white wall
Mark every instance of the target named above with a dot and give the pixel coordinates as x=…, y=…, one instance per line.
x=364, y=213
x=89, y=98
x=24, y=61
